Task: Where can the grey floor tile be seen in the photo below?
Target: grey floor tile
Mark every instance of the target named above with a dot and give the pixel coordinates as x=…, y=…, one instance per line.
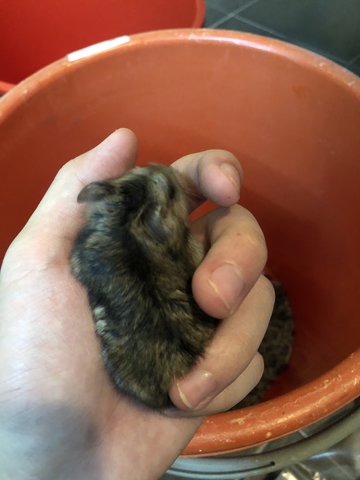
x=213, y=16
x=228, y=6
x=354, y=67
x=234, y=23
x=331, y=26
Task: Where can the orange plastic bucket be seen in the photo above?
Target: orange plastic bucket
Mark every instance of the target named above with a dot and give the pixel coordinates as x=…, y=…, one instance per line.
x=34, y=33
x=290, y=116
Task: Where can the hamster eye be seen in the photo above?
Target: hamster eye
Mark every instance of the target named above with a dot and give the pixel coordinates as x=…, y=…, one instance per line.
x=171, y=191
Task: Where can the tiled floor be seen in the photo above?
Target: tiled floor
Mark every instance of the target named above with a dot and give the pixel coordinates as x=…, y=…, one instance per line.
x=329, y=27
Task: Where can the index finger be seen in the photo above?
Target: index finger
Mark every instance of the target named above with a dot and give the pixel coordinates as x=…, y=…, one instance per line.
x=214, y=174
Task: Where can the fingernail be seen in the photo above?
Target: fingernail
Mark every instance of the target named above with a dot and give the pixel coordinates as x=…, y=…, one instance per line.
x=231, y=174
x=197, y=389
x=227, y=283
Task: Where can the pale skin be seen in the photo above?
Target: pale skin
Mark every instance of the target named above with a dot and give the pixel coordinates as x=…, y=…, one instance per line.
x=60, y=417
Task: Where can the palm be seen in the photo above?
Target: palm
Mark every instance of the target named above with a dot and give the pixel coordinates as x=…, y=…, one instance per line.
x=61, y=359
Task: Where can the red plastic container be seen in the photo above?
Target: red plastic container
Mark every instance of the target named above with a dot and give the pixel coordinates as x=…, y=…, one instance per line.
x=5, y=87
x=34, y=33
x=291, y=117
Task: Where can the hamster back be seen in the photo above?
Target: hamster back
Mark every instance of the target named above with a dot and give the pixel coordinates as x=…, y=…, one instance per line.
x=136, y=258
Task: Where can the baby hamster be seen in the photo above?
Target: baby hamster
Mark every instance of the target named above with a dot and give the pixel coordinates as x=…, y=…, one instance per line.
x=136, y=258
x=276, y=346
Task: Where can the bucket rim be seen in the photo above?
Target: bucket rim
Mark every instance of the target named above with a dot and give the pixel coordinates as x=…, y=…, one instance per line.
x=283, y=415
x=78, y=59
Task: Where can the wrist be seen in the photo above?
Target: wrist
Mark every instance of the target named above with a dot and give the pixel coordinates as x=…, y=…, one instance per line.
x=47, y=441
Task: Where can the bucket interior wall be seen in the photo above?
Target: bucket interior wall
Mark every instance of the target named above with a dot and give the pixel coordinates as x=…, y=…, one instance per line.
x=294, y=127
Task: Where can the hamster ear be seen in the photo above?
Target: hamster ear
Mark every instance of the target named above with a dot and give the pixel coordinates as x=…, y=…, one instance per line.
x=96, y=191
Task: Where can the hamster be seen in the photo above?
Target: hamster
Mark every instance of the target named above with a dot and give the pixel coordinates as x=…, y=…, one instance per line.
x=276, y=346
x=136, y=258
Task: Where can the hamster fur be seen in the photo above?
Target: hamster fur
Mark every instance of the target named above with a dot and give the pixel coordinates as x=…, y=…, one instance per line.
x=136, y=258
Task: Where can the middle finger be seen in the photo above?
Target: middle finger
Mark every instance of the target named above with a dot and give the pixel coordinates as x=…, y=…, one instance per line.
x=234, y=262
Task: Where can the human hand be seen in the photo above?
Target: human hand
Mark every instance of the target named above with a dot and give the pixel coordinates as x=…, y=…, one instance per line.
x=60, y=417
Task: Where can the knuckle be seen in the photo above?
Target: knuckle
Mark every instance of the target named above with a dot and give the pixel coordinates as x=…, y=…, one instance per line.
x=266, y=289
x=237, y=360
x=258, y=367
x=259, y=363
x=218, y=155
x=253, y=242
x=64, y=171
x=248, y=348
x=248, y=229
